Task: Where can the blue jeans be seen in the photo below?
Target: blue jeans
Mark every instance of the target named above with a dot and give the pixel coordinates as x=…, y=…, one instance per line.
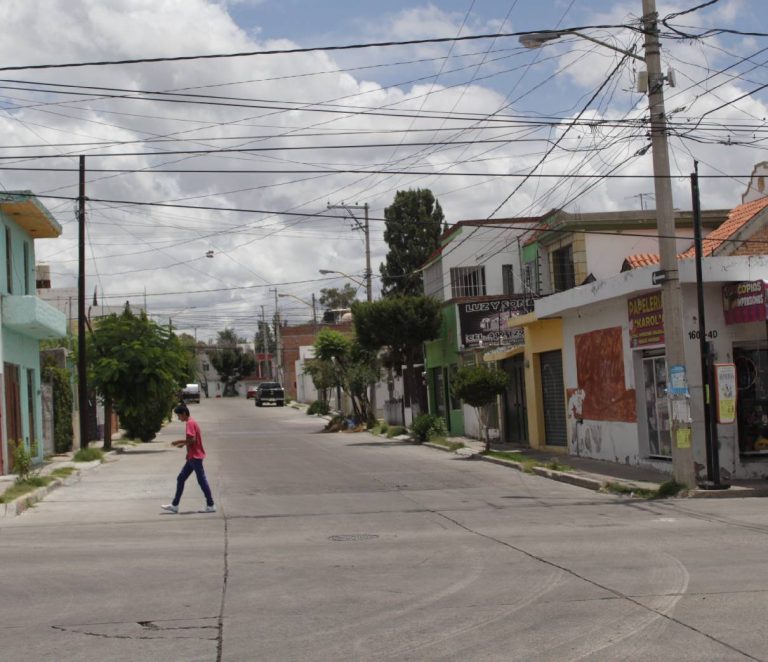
x=186, y=472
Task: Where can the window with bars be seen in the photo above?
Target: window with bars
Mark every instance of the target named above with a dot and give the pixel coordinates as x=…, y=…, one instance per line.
x=531, y=278
x=467, y=281
x=563, y=272
x=508, y=278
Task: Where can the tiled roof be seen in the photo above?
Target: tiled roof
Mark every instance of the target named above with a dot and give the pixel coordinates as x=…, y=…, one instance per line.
x=641, y=260
x=736, y=220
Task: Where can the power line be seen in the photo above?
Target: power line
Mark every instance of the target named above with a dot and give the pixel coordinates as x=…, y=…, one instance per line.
x=310, y=49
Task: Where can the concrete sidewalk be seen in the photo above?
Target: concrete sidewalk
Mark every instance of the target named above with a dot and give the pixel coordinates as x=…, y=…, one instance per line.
x=599, y=474
x=62, y=460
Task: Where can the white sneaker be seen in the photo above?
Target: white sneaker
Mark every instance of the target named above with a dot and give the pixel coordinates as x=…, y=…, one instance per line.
x=170, y=508
x=208, y=509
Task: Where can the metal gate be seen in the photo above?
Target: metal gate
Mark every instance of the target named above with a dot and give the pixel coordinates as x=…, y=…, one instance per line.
x=553, y=398
x=515, y=416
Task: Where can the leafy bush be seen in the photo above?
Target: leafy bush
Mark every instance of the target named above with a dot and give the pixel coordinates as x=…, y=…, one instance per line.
x=383, y=427
x=426, y=426
x=320, y=407
x=396, y=431
x=22, y=461
x=89, y=455
x=62, y=407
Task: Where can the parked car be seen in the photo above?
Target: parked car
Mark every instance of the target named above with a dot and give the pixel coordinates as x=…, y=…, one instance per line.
x=191, y=393
x=269, y=392
x=251, y=392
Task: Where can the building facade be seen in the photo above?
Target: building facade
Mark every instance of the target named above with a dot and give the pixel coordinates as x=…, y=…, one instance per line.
x=25, y=320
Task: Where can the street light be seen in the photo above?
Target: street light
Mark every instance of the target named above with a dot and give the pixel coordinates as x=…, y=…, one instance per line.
x=538, y=39
x=671, y=294
x=325, y=272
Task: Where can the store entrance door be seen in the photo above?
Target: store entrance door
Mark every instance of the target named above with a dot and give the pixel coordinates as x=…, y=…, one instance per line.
x=515, y=413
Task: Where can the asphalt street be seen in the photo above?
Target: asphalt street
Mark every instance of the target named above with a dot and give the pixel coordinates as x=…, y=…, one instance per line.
x=355, y=547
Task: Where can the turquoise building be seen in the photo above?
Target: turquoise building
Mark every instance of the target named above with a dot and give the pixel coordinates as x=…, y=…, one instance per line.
x=25, y=320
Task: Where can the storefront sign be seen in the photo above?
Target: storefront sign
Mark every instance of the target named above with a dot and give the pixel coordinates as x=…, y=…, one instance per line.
x=491, y=322
x=745, y=302
x=725, y=392
x=646, y=320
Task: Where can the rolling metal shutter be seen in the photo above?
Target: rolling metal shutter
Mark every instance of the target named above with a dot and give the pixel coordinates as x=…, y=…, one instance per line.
x=553, y=398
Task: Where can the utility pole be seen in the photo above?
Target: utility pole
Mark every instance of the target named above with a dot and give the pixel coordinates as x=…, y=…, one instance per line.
x=263, y=341
x=82, y=385
x=314, y=313
x=671, y=293
x=365, y=228
x=278, y=354
x=368, y=290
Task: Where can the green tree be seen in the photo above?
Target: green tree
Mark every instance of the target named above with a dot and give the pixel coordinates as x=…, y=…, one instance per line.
x=230, y=361
x=478, y=386
x=401, y=324
x=136, y=365
x=412, y=231
x=332, y=298
x=343, y=362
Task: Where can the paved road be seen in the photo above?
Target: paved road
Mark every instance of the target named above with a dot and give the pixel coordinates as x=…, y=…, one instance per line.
x=350, y=547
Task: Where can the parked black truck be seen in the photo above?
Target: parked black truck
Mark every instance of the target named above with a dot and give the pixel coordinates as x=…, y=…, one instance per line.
x=269, y=393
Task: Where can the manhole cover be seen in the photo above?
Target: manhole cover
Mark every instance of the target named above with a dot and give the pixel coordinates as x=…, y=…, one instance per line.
x=353, y=537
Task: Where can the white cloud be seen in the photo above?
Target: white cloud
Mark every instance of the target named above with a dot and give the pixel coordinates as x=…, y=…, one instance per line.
x=163, y=249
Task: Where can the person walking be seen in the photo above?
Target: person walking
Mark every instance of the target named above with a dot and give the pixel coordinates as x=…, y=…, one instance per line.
x=195, y=457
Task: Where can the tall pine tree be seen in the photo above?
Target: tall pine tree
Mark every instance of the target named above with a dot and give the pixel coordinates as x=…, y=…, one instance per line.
x=412, y=231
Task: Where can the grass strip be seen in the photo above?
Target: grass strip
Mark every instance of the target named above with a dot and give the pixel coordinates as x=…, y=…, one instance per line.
x=22, y=487
x=528, y=463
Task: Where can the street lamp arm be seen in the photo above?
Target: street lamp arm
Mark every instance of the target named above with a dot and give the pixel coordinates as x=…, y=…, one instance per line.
x=341, y=273
x=293, y=296
x=538, y=39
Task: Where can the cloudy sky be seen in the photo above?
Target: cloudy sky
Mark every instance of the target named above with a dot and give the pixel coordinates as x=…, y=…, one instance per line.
x=239, y=157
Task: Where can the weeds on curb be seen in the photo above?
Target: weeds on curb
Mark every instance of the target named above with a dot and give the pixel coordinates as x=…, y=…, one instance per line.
x=22, y=487
x=89, y=455
x=528, y=463
x=450, y=445
x=667, y=489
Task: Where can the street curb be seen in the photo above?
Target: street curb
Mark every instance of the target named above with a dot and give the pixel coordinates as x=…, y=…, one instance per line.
x=26, y=501
x=561, y=476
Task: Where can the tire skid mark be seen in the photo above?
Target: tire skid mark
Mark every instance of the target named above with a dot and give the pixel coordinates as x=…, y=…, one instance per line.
x=622, y=628
x=551, y=582
x=656, y=612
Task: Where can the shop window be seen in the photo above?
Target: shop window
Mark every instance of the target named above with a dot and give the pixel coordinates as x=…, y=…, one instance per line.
x=657, y=406
x=752, y=400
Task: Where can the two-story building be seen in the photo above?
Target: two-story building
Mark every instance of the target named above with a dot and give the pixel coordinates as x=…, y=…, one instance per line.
x=25, y=320
x=492, y=276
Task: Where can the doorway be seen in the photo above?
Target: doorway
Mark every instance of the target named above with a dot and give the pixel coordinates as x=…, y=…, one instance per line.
x=12, y=409
x=515, y=412
x=553, y=398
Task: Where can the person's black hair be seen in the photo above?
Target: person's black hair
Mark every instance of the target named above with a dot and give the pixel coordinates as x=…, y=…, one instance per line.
x=181, y=409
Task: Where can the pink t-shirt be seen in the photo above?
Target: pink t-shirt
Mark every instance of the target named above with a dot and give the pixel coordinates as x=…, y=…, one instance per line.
x=195, y=451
